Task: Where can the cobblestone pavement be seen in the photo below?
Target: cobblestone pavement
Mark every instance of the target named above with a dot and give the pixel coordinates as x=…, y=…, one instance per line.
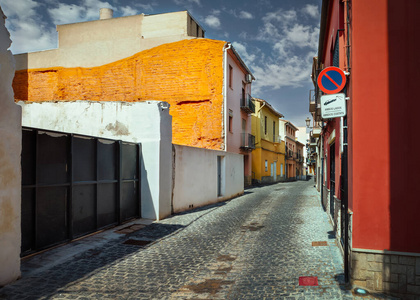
x=253, y=247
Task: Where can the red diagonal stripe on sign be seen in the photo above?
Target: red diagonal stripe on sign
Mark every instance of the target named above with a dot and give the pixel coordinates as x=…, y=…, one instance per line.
x=326, y=75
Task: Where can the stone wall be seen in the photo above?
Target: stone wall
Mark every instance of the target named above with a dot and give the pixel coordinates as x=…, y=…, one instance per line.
x=10, y=173
x=394, y=273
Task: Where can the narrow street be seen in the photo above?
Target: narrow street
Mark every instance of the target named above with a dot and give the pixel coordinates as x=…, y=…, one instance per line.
x=253, y=247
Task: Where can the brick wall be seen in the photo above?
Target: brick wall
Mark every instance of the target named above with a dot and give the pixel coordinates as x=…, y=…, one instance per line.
x=186, y=74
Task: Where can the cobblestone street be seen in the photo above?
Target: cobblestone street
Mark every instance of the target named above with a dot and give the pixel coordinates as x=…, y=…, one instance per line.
x=253, y=247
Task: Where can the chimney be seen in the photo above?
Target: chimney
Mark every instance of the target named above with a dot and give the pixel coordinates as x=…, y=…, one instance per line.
x=105, y=13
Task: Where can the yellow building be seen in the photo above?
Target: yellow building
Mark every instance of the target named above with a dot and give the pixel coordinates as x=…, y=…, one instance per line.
x=268, y=157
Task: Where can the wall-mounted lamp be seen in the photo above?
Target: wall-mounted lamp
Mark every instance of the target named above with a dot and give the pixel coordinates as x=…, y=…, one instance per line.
x=308, y=122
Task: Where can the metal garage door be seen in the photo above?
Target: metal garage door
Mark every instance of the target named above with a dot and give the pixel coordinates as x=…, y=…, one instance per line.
x=73, y=185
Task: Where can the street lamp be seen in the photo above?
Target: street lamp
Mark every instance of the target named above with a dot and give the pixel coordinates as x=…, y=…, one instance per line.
x=308, y=122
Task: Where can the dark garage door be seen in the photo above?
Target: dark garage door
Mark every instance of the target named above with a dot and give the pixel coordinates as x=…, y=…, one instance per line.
x=74, y=185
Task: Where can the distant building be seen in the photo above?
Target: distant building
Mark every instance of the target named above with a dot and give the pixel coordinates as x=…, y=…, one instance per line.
x=293, y=151
x=268, y=157
x=303, y=138
x=159, y=57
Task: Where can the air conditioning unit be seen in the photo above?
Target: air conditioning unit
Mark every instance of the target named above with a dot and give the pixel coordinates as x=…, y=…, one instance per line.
x=248, y=78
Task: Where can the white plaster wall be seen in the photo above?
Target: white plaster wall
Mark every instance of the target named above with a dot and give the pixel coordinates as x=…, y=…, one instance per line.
x=302, y=137
x=282, y=129
x=195, y=177
x=10, y=173
x=99, y=42
x=148, y=123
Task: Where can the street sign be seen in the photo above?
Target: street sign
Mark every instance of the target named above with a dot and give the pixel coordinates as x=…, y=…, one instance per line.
x=331, y=80
x=333, y=106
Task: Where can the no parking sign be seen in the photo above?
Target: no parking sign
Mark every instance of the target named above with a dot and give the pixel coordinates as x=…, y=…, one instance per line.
x=331, y=80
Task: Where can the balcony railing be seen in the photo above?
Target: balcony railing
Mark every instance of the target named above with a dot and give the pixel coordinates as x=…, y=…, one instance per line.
x=290, y=154
x=312, y=102
x=247, y=141
x=247, y=104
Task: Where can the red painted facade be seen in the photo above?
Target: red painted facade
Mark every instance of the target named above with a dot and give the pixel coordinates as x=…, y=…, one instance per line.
x=384, y=65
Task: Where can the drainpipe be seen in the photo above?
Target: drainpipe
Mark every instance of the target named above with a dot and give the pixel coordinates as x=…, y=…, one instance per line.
x=225, y=67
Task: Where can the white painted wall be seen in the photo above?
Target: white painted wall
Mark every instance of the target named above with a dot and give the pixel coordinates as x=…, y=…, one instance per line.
x=302, y=137
x=148, y=123
x=195, y=177
x=10, y=173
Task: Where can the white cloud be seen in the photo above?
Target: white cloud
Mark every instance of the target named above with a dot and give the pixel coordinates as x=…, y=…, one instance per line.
x=27, y=31
x=243, y=53
x=128, y=11
x=302, y=36
x=293, y=72
x=73, y=13
x=23, y=8
x=186, y=2
x=281, y=16
x=146, y=7
x=311, y=10
x=212, y=21
x=293, y=43
x=245, y=15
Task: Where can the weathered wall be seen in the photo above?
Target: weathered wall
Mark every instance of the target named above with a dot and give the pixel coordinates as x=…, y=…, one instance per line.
x=148, y=123
x=115, y=38
x=10, y=174
x=195, y=178
x=186, y=74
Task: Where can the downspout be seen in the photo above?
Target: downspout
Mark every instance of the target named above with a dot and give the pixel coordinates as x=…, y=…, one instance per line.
x=225, y=78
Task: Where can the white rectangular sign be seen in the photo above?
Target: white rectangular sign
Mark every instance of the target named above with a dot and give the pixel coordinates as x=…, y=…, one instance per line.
x=333, y=106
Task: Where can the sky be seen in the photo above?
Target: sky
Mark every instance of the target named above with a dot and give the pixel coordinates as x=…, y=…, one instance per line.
x=277, y=39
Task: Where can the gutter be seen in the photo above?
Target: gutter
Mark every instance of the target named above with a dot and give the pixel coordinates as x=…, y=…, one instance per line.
x=225, y=49
x=322, y=29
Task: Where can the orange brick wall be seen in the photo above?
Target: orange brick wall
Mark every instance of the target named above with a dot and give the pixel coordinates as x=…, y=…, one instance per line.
x=187, y=74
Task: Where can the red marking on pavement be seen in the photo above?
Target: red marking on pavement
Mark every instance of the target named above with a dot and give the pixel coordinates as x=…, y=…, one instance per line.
x=308, y=281
x=335, y=83
x=322, y=243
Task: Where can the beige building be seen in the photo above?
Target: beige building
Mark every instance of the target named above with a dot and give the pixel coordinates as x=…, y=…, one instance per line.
x=113, y=38
x=288, y=133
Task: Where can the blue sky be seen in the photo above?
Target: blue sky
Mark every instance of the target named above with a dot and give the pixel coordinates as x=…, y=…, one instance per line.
x=277, y=39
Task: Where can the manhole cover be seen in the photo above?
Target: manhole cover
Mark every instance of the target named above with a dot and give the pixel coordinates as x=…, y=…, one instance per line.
x=321, y=243
x=308, y=281
x=136, y=242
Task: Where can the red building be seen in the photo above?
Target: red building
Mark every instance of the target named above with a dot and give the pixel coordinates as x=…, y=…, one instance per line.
x=368, y=159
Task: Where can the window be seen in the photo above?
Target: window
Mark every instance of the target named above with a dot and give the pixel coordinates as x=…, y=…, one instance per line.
x=230, y=76
x=198, y=30
x=274, y=131
x=230, y=120
x=265, y=125
x=266, y=166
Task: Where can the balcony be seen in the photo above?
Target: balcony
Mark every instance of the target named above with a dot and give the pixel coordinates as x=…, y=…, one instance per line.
x=247, y=105
x=316, y=132
x=247, y=141
x=299, y=157
x=290, y=154
x=312, y=102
